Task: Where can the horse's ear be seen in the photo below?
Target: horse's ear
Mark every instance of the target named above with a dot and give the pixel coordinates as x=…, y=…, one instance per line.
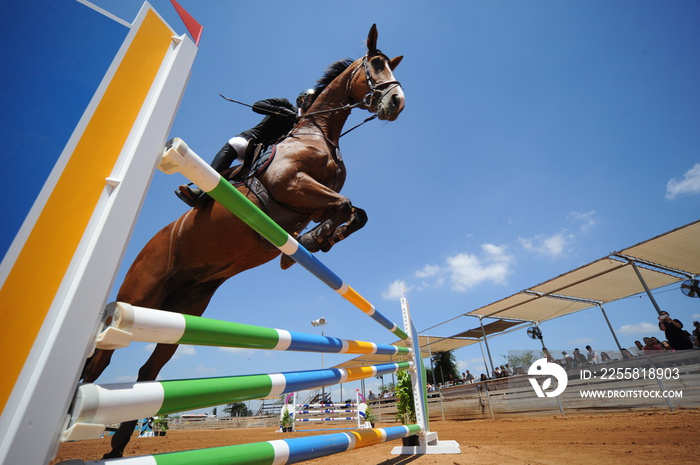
x=394, y=62
x=372, y=39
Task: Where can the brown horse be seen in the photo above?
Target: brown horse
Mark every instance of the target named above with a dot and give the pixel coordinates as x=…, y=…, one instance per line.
x=182, y=266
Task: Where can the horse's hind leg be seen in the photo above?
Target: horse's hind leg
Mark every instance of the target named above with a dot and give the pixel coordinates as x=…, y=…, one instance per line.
x=187, y=299
x=95, y=365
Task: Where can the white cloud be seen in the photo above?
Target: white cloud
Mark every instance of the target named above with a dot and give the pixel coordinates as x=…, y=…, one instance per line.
x=464, y=271
x=184, y=351
x=205, y=370
x=394, y=290
x=690, y=184
x=586, y=219
x=552, y=246
x=639, y=328
x=467, y=271
x=428, y=271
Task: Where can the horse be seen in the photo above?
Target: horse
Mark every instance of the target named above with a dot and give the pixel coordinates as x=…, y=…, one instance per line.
x=182, y=266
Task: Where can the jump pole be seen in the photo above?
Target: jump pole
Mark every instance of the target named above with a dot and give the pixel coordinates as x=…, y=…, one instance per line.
x=96, y=406
x=178, y=157
x=124, y=323
x=279, y=452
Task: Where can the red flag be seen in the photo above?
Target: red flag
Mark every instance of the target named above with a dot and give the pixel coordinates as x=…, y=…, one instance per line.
x=193, y=27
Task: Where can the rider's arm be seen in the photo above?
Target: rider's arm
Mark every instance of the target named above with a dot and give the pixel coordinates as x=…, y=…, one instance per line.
x=275, y=106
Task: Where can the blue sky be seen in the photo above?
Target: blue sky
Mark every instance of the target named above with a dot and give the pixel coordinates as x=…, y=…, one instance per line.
x=537, y=137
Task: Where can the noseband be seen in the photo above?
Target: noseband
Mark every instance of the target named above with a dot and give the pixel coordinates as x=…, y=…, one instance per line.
x=377, y=90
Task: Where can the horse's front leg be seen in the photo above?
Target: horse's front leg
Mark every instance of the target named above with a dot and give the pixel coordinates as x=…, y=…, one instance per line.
x=331, y=210
x=324, y=236
x=357, y=221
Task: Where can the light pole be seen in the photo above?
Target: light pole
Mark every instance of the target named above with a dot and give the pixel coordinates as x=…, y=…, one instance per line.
x=321, y=322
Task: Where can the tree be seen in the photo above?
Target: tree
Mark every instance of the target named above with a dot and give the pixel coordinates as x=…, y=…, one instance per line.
x=238, y=409
x=214, y=412
x=521, y=359
x=444, y=367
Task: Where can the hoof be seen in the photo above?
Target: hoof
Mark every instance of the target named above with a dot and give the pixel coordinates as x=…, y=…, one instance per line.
x=286, y=261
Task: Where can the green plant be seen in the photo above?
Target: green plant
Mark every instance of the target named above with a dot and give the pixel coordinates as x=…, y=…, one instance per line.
x=161, y=423
x=405, y=407
x=287, y=420
x=369, y=416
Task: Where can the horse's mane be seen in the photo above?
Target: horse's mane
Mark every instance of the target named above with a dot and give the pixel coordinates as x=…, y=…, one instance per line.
x=333, y=71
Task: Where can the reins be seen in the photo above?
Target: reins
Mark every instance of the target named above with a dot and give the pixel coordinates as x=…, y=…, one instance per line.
x=377, y=90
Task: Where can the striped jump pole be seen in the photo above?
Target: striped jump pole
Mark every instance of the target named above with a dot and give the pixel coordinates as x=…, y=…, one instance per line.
x=180, y=158
x=96, y=406
x=325, y=405
x=278, y=452
x=125, y=323
x=326, y=419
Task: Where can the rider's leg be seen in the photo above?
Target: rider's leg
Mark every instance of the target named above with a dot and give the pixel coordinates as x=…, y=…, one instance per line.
x=234, y=149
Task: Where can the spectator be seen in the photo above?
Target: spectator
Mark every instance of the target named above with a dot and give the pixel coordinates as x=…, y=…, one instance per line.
x=651, y=347
x=592, y=356
x=640, y=347
x=667, y=346
x=483, y=377
x=604, y=357
x=579, y=359
x=696, y=334
x=371, y=395
x=673, y=328
x=626, y=353
x=469, y=377
x=497, y=372
x=567, y=361
x=509, y=370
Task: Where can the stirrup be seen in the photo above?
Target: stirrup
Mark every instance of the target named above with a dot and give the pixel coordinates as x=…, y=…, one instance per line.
x=187, y=195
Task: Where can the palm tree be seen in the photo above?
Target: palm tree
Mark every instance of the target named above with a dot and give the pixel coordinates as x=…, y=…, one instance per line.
x=444, y=367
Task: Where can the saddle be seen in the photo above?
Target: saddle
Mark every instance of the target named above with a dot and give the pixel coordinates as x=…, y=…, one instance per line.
x=257, y=160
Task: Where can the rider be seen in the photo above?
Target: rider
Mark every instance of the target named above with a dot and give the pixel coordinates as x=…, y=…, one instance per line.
x=280, y=117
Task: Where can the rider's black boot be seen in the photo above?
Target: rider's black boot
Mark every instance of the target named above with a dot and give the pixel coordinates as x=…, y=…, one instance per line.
x=192, y=196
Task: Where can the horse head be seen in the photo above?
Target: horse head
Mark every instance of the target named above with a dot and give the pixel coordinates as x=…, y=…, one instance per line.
x=377, y=88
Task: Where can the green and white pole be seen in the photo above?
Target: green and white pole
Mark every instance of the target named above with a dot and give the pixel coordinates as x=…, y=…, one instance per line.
x=178, y=157
x=279, y=452
x=96, y=406
x=124, y=323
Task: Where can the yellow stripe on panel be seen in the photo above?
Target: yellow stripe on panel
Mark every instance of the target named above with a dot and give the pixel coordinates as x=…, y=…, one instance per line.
x=39, y=270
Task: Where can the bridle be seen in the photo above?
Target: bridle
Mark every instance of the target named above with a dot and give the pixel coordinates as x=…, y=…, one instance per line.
x=377, y=90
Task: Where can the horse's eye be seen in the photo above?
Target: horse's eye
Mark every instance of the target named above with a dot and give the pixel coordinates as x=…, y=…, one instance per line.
x=378, y=64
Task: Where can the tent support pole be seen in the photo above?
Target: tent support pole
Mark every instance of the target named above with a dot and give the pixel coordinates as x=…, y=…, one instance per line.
x=646, y=288
x=485, y=386
x=611, y=328
x=488, y=351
